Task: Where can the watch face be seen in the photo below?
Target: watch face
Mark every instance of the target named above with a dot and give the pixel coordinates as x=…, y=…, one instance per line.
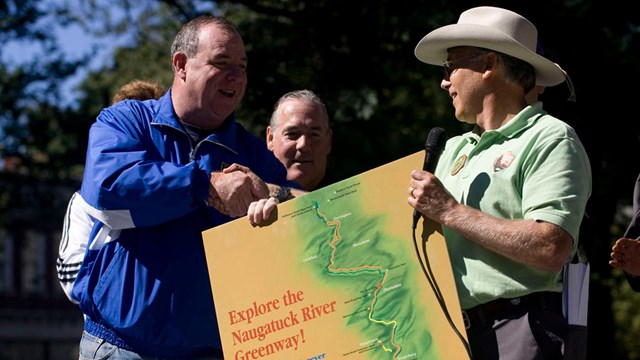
x=283, y=193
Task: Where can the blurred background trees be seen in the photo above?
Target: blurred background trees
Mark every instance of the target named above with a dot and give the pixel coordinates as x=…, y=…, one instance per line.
x=358, y=56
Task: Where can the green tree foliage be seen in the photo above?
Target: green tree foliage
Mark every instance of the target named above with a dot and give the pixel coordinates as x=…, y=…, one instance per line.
x=358, y=56
x=38, y=138
x=30, y=90
x=147, y=57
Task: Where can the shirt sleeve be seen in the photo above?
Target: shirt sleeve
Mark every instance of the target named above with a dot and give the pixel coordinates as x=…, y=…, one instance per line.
x=127, y=180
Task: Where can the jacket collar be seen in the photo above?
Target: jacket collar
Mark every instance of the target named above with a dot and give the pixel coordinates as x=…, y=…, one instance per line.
x=166, y=116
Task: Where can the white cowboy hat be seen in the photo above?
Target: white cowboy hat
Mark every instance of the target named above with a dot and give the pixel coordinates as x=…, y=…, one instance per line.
x=495, y=29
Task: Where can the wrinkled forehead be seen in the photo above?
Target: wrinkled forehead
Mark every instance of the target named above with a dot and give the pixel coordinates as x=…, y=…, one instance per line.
x=302, y=112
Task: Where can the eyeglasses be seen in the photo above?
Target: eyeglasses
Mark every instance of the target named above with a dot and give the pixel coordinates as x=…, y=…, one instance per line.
x=448, y=65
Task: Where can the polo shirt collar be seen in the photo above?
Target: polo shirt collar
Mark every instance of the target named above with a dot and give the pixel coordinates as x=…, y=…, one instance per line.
x=520, y=122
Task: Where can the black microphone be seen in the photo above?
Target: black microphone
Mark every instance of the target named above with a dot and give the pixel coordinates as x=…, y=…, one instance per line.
x=434, y=146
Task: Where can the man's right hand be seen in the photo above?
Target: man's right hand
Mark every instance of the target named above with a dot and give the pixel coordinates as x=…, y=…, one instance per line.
x=625, y=255
x=260, y=211
x=234, y=189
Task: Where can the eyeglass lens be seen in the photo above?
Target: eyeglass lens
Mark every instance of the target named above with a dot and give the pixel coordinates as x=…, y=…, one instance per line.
x=448, y=65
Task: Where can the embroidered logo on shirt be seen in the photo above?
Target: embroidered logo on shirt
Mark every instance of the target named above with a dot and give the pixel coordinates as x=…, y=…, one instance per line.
x=503, y=161
x=459, y=164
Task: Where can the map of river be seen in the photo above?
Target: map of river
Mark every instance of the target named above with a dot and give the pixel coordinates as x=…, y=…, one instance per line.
x=336, y=276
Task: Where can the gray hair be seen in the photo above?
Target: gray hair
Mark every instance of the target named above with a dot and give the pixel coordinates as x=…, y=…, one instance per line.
x=519, y=71
x=516, y=70
x=304, y=95
x=187, y=38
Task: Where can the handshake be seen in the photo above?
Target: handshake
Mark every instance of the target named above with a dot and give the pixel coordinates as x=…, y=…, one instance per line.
x=237, y=191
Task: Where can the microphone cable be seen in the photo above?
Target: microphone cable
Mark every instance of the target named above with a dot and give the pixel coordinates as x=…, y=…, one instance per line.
x=428, y=273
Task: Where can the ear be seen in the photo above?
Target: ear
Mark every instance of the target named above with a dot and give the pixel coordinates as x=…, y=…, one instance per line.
x=490, y=63
x=492, y=59
x=269, y=139
x=179, y=62
x=330, y=140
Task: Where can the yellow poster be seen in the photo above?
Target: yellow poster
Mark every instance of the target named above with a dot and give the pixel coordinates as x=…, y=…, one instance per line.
x=337, y=276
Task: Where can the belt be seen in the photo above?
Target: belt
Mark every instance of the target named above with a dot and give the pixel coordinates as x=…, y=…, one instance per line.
x=482, y=315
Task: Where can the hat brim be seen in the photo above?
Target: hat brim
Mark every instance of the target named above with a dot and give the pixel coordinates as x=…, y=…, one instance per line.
x=433, y=49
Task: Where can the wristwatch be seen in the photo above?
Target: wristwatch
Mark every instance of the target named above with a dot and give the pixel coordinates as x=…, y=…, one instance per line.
x=282, y=194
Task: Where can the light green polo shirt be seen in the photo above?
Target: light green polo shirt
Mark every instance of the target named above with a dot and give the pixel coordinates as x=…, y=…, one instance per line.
x=534, y=167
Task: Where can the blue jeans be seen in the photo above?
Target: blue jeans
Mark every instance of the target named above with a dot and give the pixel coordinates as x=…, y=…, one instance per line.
x=94, y=348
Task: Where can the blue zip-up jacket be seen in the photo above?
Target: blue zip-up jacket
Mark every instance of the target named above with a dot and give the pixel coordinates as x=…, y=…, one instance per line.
x=144, y=284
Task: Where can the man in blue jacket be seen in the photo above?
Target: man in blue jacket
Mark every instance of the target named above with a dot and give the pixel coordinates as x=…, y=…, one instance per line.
x=157, y=174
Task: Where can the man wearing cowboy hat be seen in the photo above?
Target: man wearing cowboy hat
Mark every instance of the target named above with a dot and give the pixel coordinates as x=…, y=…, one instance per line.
x=510, y=194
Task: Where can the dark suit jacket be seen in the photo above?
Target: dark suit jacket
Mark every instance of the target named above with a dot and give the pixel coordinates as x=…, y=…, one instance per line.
x=633, y=231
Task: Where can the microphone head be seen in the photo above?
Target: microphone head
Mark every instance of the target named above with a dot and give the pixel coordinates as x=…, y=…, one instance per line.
x=436, y=140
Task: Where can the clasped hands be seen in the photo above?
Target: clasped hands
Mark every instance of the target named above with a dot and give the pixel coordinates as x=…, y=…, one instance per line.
x=236, y=191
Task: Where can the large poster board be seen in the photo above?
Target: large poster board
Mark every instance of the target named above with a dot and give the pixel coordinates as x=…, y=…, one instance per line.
x=336, y=276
